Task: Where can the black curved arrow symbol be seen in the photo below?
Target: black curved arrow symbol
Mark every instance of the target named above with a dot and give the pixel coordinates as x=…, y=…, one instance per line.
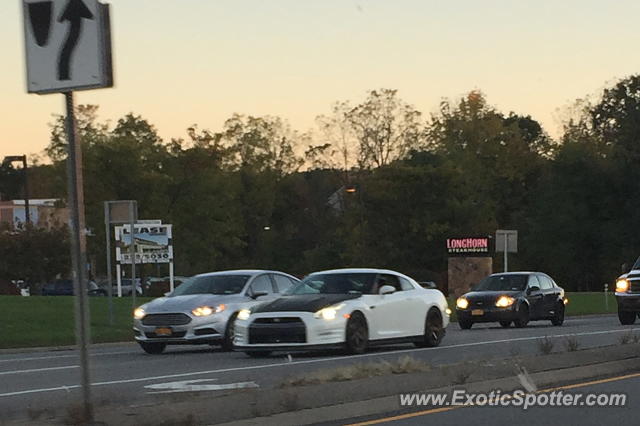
x=74, y=12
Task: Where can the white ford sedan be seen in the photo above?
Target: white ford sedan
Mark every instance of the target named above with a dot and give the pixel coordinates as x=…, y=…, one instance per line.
x=348, y=308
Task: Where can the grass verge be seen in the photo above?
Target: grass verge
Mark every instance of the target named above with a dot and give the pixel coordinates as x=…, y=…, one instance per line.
x=48, y=320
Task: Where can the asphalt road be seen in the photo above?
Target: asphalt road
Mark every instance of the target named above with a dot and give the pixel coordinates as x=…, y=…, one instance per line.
x=35, y=381
x=582, y=413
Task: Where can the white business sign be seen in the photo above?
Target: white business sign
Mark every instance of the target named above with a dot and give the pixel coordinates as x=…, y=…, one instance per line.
x=153, y=243
x=67, y=45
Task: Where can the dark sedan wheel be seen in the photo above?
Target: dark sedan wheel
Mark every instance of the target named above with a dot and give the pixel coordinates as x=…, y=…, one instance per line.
x=357, y=337
x=558, y=315
x=229, y=334
x=465, y=324
x=153, y=348
x=627, y=317
x=523, y=317
x=505, y=324
x=433, y=330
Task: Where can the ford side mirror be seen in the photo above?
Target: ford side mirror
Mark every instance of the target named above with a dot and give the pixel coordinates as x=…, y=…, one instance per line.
x=387, y=289
x=256, y=294
x=533, y=289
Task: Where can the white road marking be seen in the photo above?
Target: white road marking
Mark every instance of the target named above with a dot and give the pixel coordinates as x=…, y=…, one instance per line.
x=36, y=370
x=189, y=386
x=311, y=361
x=63, y=356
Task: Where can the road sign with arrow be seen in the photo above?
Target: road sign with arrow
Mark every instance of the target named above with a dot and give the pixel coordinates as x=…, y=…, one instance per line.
x=67, y=44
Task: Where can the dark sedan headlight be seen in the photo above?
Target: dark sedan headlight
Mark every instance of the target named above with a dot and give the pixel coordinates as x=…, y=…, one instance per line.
x=462, y=303
x=505, y=301
x=622, y=285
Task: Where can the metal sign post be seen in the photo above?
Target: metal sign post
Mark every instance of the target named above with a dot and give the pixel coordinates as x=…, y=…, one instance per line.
x=506, y=241
x=132, y=251
x=68, y=47
x=78, y=252
x=107, y=235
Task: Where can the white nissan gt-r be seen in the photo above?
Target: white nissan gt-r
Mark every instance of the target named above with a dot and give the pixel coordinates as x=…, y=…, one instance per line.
x=348, y=308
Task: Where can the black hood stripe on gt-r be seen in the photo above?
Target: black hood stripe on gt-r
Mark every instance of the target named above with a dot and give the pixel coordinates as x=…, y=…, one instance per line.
x=304, y=302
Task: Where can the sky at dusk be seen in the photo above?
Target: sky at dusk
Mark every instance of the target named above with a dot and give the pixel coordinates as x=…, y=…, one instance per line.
x=198, y=61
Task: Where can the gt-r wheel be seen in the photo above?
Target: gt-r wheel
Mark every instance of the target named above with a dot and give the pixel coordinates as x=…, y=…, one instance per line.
x=465, y=324
x=152, y=348
x=627, y=317
x=229, y=333
x=505, y=324
x=523, y=317
x=433, y=330
x=258, y=354
x=357, y=334
x=558, y=315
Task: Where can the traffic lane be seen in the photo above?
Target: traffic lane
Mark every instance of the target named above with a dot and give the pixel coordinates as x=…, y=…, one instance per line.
x=126, y=379
x=534, y=416
x=125, y=376
x=479, y=332
x=485, y=342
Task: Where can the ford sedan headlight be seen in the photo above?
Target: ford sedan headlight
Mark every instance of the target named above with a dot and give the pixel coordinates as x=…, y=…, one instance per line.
x=139, y=313
x=505, y=301
x=462, y=303
x=328, y=313
x=622, y=285
x=244, y=314
x=204, y=311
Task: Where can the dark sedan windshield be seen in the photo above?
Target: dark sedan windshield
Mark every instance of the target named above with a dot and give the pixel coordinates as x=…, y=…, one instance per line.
x=212, y=284
x=503, y=283
x=334, y=284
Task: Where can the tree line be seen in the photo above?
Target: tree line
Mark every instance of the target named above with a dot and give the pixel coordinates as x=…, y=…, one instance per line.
x=377, y=184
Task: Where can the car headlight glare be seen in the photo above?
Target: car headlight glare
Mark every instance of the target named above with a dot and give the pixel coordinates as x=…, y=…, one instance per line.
x=622, y=285
x=204, y=311
x=328, y=313
x=505, y=301
x=462, y=303
x=138, y=313
x=244, y=314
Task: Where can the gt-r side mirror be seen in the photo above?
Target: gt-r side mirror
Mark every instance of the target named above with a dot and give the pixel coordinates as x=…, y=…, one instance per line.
x=533, y=289
x=255, y=295
x=387, y=289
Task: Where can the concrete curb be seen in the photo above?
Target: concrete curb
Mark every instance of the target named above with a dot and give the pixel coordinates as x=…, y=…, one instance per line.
x=390, y=404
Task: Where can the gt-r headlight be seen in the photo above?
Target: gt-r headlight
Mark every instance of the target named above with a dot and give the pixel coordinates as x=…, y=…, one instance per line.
x=505, y=301
x=328, y=313
x=139, y=313
x=244, y=314
x=462, y=303
x=205, y=311
x=622, y=285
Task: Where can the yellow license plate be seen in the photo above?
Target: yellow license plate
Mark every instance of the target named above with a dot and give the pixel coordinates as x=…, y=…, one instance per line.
x=163, y=331
x=477, y=312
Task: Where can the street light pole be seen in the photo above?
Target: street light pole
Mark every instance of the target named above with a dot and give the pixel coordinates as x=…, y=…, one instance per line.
x=23, y=159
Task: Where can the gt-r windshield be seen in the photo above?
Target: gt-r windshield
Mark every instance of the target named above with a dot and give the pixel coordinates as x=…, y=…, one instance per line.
x=212, y=284
x=355, y=283
x=502, y=283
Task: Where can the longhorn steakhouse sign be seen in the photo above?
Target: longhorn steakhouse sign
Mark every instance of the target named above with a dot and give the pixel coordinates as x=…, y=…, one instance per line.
x=469, y=261
x=469, y=246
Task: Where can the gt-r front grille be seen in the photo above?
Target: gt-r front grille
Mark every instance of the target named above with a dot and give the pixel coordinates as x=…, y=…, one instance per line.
x=277, y=330
x=166, y=319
